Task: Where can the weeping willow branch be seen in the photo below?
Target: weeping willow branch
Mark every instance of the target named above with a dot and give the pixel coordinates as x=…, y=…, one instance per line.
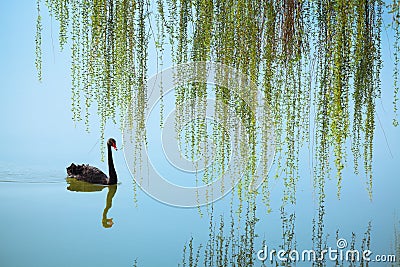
x=274, y=43
x=38, y=41
x=394, y=9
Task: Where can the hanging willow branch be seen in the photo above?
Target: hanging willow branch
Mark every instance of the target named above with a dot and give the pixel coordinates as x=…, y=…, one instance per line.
x=38, y=41
x=274, y=43
x=394, y=9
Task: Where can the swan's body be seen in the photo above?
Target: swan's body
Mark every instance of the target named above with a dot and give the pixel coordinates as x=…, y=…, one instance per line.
x=87, y=173
x=92, y=174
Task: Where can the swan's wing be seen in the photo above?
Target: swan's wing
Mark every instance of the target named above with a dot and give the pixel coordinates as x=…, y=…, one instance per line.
x=87, y=173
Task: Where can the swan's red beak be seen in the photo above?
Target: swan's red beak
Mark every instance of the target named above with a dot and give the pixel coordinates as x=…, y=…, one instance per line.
x=114, y=146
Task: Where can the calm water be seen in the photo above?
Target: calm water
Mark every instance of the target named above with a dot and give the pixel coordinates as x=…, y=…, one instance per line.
x=43, y=223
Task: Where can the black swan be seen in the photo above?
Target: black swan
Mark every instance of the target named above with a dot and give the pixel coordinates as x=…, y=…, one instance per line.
x=81, y=186
x=92, y=174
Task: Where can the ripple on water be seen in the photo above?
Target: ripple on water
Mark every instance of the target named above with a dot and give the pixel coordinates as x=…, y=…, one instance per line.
x=10, y=173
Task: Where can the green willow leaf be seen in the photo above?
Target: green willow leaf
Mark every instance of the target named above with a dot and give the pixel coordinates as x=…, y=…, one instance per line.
x=317, y=64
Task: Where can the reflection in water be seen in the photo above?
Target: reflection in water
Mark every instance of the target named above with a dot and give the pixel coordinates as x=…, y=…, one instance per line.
x=231, y=242
x=81, y=186
x=234, y=241
x=396, y=245
x=107, y=223
x=320, y=243
x=288, y=233
x=319, y=240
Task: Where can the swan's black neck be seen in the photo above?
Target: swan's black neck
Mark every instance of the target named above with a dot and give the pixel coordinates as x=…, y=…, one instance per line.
x=111, y=170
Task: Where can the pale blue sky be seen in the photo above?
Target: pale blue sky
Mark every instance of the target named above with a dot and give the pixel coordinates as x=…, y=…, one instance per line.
x=40, y=112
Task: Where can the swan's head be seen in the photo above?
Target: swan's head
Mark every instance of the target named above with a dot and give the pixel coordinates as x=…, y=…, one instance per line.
x=107, y=223
x=111, y=142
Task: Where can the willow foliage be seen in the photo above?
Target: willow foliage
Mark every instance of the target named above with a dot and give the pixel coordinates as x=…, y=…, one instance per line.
x=394, y=9
x=316, y=63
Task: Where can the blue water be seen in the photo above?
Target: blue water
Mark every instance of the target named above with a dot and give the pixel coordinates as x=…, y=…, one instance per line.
x=44, y=224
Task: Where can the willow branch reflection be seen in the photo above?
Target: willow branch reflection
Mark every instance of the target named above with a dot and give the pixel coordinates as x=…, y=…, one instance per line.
x=80, y=186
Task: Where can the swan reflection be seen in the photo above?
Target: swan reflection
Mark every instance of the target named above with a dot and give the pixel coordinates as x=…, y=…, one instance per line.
x=80, y=186
x=108, y=222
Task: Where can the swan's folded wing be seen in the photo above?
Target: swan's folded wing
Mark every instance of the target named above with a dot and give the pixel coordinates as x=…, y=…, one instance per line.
x=87, y=173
